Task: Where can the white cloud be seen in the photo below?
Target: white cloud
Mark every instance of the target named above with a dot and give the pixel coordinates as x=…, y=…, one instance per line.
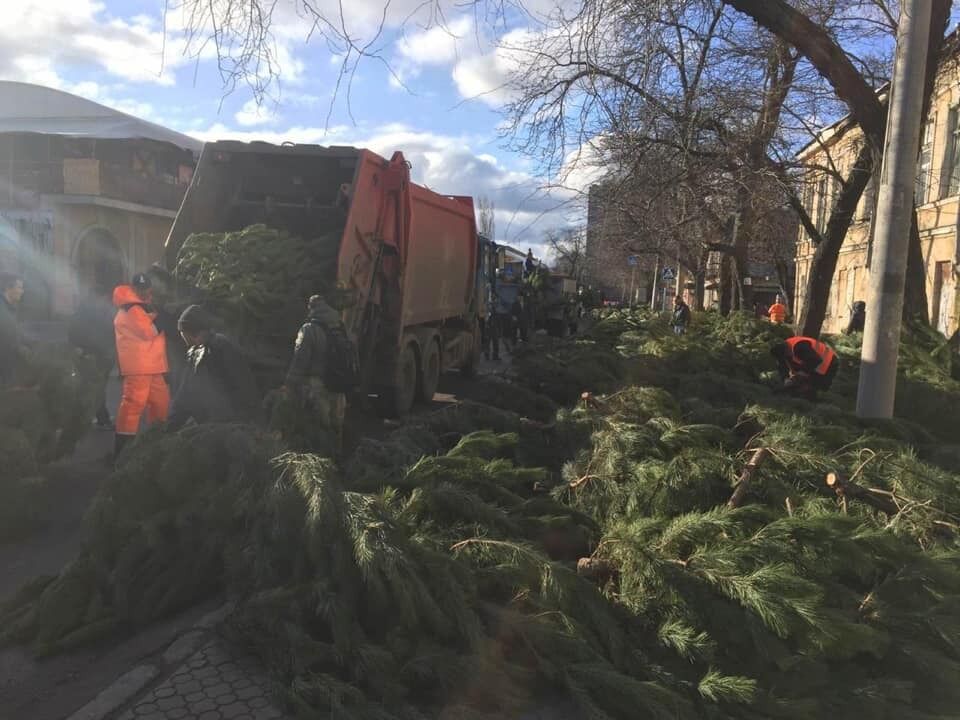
x=252, y=114
x=438, y=45
x=80, y=33
x=487, y=77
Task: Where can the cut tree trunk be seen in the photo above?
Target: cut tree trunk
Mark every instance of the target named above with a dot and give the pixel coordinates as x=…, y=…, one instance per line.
x=746, y=477
x=596, y=569
x=845, y=488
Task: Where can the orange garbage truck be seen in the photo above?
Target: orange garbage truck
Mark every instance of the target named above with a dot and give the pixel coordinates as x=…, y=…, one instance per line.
x=408, y=259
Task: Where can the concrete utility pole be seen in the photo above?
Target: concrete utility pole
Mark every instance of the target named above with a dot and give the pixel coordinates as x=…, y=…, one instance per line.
x=881, y=333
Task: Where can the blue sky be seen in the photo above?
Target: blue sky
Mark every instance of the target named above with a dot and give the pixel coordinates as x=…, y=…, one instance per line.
x=437, y=93
x=131, y=55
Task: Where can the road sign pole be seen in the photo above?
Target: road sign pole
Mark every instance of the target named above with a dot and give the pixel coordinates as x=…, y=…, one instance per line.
x=656, y=278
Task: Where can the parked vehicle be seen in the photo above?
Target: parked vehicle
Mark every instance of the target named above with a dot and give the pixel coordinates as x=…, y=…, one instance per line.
x=407, y=258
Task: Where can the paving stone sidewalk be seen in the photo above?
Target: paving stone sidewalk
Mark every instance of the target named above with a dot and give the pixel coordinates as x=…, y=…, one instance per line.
x=197, y=677
x=210, y=685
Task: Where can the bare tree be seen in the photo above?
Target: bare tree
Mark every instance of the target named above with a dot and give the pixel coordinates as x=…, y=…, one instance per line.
x=569, y=250
x=691, y=76
x=823, y=51
x=486, y=217
x=242, y=35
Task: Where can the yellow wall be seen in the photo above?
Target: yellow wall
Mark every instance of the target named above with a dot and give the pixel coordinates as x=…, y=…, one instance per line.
x=937, y=219
x=140, y=238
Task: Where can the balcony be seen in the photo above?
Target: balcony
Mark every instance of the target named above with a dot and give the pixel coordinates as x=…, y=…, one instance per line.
x=91, y=176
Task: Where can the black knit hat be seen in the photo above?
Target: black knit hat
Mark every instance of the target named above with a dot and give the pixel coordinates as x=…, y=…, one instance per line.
x=141, y=281
x=194, y=320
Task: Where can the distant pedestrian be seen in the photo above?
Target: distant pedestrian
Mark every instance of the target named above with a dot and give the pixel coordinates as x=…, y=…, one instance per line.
x=91, y=331
x=778, y=311
x=142, y=358
x=217, y=384
x=323, y=370
x=503, y=327
x=490, y=329
x=858, y=316
x=681, y=316
x=11, y=341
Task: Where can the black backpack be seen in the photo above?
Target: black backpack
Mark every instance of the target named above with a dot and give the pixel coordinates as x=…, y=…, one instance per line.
x=341, y=369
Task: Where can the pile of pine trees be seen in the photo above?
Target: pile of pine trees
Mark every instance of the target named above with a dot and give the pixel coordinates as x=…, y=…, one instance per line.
x=41, y=420
x=256, y=282
x=676, y=541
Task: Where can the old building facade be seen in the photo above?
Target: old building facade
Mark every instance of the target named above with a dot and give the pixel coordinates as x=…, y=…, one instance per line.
x=937, y=195
x=87, y=194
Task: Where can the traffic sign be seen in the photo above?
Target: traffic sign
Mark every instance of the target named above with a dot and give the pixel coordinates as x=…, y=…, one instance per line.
x=632, y=260
x=668, y=274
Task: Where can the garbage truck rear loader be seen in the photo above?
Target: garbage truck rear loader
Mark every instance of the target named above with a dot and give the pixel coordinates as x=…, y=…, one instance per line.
x=406, y=257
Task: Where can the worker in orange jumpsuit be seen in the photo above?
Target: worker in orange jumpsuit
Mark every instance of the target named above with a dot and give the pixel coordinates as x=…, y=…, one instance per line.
x=141, y=357
x=778, y=311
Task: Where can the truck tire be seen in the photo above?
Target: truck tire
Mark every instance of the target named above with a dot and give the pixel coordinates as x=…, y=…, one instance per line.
x=429, y=371
x=472, y=364
x=397, y=400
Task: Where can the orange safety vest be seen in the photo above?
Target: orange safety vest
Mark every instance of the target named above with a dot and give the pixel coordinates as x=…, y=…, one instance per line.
x=778, y=312
x=822, y=349
x=141, y=350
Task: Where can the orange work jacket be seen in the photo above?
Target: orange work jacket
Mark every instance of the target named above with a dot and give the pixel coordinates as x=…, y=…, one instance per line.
x=778, y=312
x=141, y=350
x=822, y=349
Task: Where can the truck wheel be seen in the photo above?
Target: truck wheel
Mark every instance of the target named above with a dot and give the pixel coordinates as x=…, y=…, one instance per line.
x=397, y=400
x=472, y=364
x=429, y=371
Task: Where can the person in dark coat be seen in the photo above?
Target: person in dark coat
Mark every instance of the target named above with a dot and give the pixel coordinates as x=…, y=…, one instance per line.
x=681, y=316
x=858, y=316
x=306, y=377
x=530, y=264
x=11, y=341
x=217, y=385
x=91, y=331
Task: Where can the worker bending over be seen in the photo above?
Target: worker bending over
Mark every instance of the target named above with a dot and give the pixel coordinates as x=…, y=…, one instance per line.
x=217, y=384
x=807, y=366
x=141, y=357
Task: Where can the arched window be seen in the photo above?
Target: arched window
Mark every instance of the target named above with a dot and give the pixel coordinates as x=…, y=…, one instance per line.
x=98, y=262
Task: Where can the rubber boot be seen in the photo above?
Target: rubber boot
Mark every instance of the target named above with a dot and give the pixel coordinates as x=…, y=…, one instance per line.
x=119, y=443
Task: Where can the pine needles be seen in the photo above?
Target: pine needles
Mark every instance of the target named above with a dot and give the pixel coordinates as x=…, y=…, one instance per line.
x=435, y=574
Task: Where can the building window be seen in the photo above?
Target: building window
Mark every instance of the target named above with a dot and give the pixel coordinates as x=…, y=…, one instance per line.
x=950, y=181
x=867, y=200
x=822, y=202
x=924, y=164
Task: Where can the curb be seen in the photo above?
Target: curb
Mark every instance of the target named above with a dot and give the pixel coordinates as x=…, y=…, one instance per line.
x=129, y=685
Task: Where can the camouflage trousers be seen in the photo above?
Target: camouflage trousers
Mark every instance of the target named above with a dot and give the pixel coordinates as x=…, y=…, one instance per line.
x=326, y=411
